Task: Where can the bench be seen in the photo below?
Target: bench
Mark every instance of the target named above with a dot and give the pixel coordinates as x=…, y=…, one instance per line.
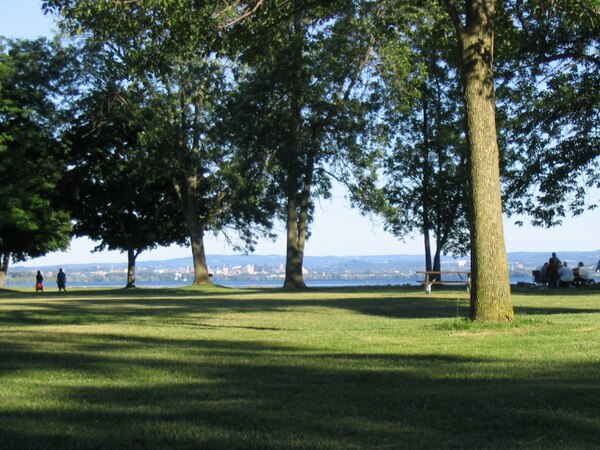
x=578, y=281
x=465, y=278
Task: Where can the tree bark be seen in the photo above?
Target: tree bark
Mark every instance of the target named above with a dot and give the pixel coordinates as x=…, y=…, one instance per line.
x=131, y=257
x=187, y=189
x=4, y=263
x=490, y=289
x=294, y=278
x=297, y=210
x=437, y=259
x=186, y=192
x=196, y=232
x=201, y=274
x=425, y=199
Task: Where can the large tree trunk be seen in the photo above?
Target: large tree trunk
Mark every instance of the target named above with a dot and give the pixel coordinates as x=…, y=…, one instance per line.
x=294, y=278
x=490, y=289
x=4, y=262
x=427, y=242
x=437, y=259
x=297, y=210
x=187, y=190
x=196, y=233
x=425, y=199
x=186, y=193
x=131, y=257
x=201, y=274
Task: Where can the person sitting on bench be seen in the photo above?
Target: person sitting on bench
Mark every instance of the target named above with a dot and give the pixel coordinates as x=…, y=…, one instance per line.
x=566, y=276
x=582, y=275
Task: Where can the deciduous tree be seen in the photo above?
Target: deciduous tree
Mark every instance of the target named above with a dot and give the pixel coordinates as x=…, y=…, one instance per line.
x=423, y=178
x=294, y=81
x=120, y=195
x=475, y=26
x=32, y=218
x=171, y=49
x=549, y=68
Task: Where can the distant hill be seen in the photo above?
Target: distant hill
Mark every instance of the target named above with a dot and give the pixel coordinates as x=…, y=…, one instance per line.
x=398, y=269
x=526, y=260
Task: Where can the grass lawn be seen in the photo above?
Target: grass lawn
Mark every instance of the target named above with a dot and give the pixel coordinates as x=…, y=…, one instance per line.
x=363, y=368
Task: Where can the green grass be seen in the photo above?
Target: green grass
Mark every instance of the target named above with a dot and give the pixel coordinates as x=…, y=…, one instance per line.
x=372, y=368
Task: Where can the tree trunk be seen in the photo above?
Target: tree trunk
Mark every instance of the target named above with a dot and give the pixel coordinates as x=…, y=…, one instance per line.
x=201, y=274
x=297, y=214
x=490, y=289
x=186, y=193
x=131, y=257
x=196, y=233
x=425, y=198
x=427, y=243
x=294, y=278
x=4, y=262
x=437, y=260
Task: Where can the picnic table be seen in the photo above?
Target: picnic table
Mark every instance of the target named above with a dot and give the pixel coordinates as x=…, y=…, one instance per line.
x=464, y=277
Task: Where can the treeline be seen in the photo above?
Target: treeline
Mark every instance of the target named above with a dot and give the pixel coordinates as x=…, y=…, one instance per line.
x=156, y=122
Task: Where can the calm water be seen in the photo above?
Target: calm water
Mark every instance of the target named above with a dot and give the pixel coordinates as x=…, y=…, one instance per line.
x=261, y=283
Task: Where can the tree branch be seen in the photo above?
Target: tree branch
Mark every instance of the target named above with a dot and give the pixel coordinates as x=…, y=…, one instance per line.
x=452, y=9
x=243, y=16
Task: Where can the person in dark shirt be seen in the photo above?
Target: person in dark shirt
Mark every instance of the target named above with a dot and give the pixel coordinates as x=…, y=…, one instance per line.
x=39, y=282
x=61, y=280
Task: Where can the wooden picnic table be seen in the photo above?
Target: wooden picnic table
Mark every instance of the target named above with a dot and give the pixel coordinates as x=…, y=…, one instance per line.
x=430, y=279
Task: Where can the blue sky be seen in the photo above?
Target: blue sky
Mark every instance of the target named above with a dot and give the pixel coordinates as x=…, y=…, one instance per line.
x=337, y=230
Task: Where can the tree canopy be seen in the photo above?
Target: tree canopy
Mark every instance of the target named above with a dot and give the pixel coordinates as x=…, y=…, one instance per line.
x=172, y=52
x=33, y=218
x=251, y=108
x=422, y=187
x=119, y=194
x=549, y=68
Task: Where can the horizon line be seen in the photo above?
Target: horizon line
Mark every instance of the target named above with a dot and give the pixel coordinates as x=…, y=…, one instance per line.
x=27, y=264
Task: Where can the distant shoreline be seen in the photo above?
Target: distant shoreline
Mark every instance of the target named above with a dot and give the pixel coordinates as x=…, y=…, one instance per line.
x=232, y=283
x=589, y=257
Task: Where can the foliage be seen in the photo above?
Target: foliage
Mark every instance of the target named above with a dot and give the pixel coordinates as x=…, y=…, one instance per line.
x=550, y=96
x=423, y=177
x=312, y=120
x=323, y=104
x=118, y=191
x=171, y=52
x=33, y=220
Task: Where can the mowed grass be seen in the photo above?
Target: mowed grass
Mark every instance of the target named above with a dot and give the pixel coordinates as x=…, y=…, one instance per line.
x=363, y=368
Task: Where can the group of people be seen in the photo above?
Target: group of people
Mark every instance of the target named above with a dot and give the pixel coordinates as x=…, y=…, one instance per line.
x=61, y=281
x=559, y=274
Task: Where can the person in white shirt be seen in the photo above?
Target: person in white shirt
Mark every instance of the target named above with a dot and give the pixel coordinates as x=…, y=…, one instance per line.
x=583, y=272
x=566, y=275
x=582, y=275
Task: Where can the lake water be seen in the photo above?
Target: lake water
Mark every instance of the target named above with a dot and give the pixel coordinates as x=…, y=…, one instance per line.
x=262, y=283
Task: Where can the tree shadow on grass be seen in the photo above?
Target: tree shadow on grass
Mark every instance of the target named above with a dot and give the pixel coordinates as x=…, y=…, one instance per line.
x=246, y=395
x=100, y=311
x=108, y=306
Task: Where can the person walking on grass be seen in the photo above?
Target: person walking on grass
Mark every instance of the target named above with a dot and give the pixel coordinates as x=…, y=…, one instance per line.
x=61, y=281
x=39, y=282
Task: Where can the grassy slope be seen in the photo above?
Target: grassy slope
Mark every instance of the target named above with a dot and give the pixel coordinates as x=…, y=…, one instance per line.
x=332, y=368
